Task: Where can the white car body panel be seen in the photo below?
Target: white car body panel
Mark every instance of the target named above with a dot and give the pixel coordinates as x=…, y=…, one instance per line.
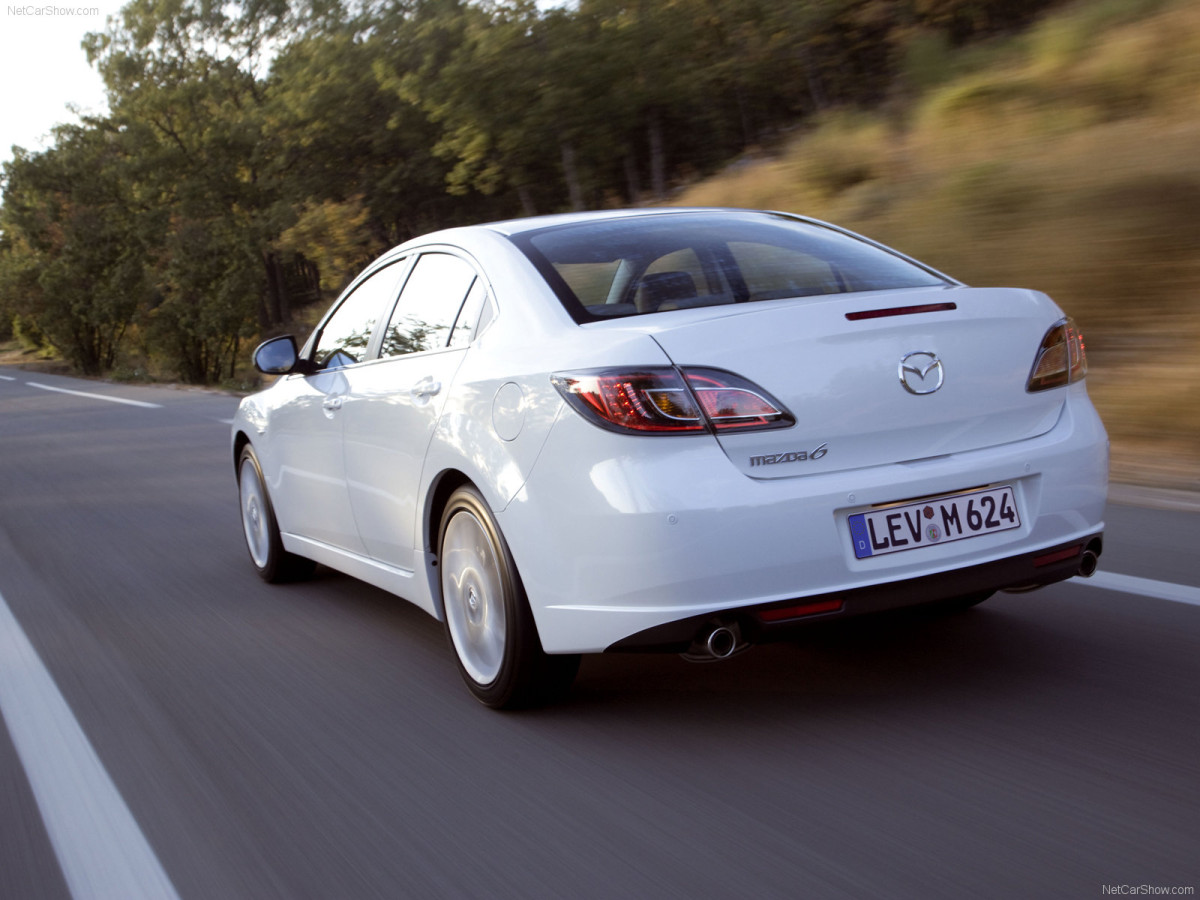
x=841, y=378
x=614, y=534
x=648, y=539
x=309, y=437
x=390, y=412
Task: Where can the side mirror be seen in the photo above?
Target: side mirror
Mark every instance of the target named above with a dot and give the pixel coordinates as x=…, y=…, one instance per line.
x=277, y=356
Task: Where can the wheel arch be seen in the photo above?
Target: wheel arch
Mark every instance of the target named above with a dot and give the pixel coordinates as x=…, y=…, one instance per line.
x=240, y=440
x=441, y=488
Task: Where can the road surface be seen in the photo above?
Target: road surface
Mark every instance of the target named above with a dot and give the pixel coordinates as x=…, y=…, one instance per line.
x=189, y=731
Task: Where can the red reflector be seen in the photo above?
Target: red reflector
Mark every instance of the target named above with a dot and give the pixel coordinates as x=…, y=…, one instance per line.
x=804, y=609
x=900, y=311
x=1057, y=556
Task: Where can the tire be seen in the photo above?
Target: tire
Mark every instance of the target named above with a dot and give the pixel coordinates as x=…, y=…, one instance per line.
x=273, y=564
x=487, y=617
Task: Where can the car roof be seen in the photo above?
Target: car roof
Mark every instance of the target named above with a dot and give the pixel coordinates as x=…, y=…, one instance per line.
x=535, y=223
x=512, y=227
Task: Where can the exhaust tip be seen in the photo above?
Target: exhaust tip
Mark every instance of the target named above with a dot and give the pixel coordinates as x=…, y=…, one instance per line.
x=721, y=642
x=717, y=640
x=1088, y=563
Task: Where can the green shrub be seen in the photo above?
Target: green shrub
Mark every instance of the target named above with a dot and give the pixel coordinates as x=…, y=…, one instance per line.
x=31, y=338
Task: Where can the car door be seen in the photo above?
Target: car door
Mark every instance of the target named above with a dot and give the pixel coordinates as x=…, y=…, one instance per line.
x=306, y=430
x=394, y=404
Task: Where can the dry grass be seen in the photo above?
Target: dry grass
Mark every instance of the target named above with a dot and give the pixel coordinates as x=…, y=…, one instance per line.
x=1071, y=165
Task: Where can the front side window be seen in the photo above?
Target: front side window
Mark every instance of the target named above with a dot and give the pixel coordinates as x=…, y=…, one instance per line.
x=429, y=305
x=344, y=338
x=636, y=265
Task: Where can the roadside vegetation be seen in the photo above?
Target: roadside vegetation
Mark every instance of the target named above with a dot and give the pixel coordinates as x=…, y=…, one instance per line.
x=257, y=154
x=1065, y=159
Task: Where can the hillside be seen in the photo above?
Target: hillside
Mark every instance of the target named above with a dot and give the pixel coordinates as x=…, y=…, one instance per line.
x=1066, y=160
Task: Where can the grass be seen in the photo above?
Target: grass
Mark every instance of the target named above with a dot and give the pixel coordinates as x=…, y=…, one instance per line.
x=1070, y=163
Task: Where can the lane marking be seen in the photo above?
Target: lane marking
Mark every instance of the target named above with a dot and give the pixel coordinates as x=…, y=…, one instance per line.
x=46, y=387
x=7, y=378
x=100, y=848
x=1146, y=587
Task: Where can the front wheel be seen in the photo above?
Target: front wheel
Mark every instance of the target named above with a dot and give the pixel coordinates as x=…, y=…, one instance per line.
x=488, y=620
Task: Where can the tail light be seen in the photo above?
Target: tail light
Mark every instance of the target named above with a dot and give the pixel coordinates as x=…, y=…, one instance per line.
x=1061, y=359
x=670, y=400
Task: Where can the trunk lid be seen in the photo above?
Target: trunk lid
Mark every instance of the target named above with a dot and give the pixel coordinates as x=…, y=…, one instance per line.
x=842, y=377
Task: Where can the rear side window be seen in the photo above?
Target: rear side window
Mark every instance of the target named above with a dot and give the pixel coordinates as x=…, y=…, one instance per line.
x=428, y=306
x=651, y=264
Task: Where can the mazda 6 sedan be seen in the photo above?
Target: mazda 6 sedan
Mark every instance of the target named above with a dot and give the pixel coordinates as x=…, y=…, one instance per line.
x=673, y=430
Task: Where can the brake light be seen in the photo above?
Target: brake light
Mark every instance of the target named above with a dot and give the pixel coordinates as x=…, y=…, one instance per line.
x=669, y=400
x=1061, y=358
x=730, y=402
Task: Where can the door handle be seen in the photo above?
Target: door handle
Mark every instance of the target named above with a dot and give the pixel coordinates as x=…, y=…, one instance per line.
x=332, y=404
x=425, y=388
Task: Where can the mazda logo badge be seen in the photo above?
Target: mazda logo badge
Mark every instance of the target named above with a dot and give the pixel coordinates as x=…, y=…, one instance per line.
x=921, y=372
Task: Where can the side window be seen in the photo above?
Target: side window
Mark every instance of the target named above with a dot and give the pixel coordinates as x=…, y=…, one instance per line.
x=343, y=341
x=428, y=305
x=474, y=317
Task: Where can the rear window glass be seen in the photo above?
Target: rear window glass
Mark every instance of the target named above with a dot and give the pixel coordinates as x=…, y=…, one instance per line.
x=651, y=264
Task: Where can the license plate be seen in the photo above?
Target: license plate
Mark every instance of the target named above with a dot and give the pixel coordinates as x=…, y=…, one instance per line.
x=909, y=526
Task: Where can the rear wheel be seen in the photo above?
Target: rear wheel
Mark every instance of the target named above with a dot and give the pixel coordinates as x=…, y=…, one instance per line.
x=488, y=620
x=273, y=563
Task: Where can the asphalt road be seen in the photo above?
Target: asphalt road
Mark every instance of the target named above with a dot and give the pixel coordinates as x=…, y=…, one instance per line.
x=314, y=740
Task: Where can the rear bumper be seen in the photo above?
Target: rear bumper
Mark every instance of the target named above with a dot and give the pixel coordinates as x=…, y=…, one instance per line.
x=781, y=620
x=620, y=543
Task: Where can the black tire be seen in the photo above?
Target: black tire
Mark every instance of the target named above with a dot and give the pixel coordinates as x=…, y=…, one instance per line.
x=487, y=618
x=273, y=564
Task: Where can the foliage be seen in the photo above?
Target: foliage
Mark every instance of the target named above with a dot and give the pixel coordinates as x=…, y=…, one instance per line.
x=1027, y=173
x=73, y=246
x=31, y=338
x=255, y=153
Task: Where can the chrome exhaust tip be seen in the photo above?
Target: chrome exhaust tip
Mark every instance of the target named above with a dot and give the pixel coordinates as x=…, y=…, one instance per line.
x=715, y=642
x=721, y=642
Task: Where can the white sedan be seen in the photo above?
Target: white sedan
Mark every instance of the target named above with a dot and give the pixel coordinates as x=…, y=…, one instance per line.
x=678, y=430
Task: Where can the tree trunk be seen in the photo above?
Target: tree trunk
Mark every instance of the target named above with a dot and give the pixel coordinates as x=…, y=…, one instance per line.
x=815, y=93
x=571, y=173
x=632, y=184
x=658, y=157
x=526, y=201
x=269, y=313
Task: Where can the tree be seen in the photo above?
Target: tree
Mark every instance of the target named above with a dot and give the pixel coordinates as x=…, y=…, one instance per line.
x=186, y=100
x=72, y=259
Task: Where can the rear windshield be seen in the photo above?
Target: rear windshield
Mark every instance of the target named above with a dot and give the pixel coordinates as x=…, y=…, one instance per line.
x=649, y=264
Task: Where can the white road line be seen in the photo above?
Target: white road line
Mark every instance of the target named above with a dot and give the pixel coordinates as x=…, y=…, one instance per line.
x=7, y=378
x=101, y=849
x=46, y=387
x=1146, y=587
